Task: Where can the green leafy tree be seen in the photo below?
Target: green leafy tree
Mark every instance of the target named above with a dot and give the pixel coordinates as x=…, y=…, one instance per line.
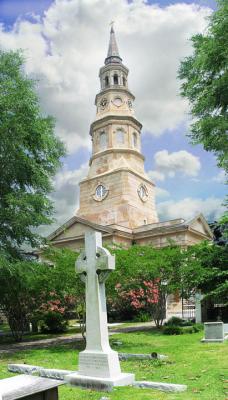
x=205, y=269
x=34, y=291
x=205, y=85
x=29, y=156
x=144, y=277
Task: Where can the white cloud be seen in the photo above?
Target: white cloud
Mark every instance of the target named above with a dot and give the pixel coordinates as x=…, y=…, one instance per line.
x=66, y=196
x=168, y=164
x=160, y=192
x=180, y=161
x=220, y=177
x=66, y=48
x=187, y=208
x=155, y=175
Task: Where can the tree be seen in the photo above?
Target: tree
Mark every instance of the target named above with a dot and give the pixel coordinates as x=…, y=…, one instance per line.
x=29, y=156
x=205, y=85
x=34, y=291
x=144, y=278
x=21, y=284
x=205, y=269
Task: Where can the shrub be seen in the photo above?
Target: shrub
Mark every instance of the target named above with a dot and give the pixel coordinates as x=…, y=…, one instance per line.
x=53, y=322
x=178, y=322
x=198, y=327
x=142, y=317
x=172, y=330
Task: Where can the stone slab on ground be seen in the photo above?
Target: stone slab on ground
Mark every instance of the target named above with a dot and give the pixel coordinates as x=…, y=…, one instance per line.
x=165, y=387
x=97, y=383
x=18, y=387
x=24, y=369
x=58, y=374
x=152, y=356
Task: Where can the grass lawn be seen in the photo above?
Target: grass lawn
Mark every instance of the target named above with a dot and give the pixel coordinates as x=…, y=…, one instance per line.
x=203, y=367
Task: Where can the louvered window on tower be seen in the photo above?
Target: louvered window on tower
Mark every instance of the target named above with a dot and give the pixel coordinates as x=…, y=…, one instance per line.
x=120, y=136
x=103, y=140
x=134, y=139
x=106, y=81
x=116, y=79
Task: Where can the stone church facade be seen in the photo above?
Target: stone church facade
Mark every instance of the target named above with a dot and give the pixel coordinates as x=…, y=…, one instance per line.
x=117, y=198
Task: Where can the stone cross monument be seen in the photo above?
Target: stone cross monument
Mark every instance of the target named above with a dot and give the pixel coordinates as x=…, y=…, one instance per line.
x=99, y=365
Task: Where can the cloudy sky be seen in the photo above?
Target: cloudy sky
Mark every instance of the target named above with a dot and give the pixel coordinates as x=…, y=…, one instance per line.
x=65, y=43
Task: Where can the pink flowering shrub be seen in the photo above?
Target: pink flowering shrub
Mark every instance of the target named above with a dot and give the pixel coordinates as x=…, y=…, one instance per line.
x=52, y=313
x=139, y=298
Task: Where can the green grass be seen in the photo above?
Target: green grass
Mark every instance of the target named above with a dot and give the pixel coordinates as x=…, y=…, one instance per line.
x=203, y=367
x=37, y=336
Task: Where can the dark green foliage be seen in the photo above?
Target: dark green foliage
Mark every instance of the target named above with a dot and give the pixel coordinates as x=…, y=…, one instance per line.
x=33, y=292
x=21, y=283
x=205, y=85
x=53, y=322
x=176, y=321
x=173, y=330
x=29, y=157
x=206, y=269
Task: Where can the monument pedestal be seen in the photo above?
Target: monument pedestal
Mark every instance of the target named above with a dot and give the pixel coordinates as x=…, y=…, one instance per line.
x=99, y=370
x=99, y=383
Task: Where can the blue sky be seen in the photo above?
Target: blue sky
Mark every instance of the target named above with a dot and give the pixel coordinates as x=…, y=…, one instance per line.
x=65, y=45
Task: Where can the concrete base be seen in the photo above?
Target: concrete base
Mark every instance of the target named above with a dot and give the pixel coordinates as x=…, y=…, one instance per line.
x=214, y=340
x=164, y=387
x=98, y=383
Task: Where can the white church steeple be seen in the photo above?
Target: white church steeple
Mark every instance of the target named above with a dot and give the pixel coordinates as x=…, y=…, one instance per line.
x=117, y=189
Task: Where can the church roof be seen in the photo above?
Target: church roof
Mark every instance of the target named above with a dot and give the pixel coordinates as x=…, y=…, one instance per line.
x=113, y=56
x=197, y=225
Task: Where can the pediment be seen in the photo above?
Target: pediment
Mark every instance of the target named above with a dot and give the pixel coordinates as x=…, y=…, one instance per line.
x=76, y=227
x=200, y=224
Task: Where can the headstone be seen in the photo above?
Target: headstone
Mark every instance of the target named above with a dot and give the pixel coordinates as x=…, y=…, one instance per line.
x=99, y=365
x=29, y=387
x=214, y=332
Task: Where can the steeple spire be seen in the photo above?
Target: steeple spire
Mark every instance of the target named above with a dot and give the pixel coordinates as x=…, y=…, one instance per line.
x=113, y=56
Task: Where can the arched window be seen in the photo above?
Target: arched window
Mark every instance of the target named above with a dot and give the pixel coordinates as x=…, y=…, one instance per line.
x=134, y=139
x=103, y=140
x=124, y=81
x=106, y=81
x=115, y=79
x=120, y=136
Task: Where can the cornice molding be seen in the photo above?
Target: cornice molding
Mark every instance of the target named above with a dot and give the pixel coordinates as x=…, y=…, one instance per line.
x=111, y=119
x=115, y=151
x=114, y=171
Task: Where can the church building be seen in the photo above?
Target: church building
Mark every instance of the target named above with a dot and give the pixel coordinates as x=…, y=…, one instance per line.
x=117, y=197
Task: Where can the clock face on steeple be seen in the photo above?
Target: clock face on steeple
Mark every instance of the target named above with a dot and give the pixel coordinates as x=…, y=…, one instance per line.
x=100, y=192
x=117, y=101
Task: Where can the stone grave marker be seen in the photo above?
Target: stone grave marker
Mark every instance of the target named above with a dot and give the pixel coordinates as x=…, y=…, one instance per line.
x=98, y=364
x=214, y=332
x=29, y=387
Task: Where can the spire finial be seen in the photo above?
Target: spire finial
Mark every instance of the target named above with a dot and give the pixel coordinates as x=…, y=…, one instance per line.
x=112, y=26
x=113, y=53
